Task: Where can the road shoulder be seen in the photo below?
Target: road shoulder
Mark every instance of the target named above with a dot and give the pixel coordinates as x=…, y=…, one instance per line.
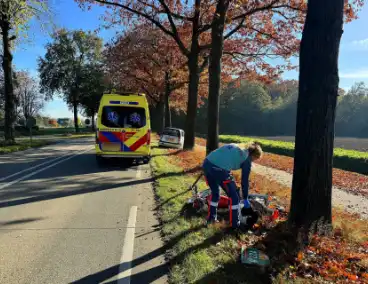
x=149, y=253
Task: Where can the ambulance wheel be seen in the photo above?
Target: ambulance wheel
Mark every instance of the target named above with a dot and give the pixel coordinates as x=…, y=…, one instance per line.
x=146, y=160
x=100, y=161
x=127, y=162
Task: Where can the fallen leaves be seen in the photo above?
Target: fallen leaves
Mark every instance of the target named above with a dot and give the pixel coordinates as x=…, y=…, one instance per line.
x=352, y=182
x=333, y=259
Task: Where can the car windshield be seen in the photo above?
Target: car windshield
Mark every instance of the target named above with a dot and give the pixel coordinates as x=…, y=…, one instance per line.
x=123, y=117
x=171, y=132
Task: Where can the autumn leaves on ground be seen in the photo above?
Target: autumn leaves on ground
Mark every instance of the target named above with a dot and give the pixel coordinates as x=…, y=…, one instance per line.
x=200, y=254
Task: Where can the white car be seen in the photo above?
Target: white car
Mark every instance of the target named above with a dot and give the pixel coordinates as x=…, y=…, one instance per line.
x=172, y=137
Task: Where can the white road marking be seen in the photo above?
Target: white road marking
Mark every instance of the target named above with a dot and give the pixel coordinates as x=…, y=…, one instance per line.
x=43, y=169
x=138, y=174
x=35, y=167
x=125, y=267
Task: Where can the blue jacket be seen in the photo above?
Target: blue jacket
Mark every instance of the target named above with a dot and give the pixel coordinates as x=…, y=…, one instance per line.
x=231, y=157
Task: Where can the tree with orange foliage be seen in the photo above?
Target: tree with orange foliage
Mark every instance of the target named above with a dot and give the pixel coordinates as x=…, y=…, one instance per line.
x=147, y=60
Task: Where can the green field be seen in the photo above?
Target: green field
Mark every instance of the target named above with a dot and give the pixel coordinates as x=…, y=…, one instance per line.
x=349, y=160
x=22, y=145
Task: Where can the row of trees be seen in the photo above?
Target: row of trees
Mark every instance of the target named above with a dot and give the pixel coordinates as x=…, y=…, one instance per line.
x=244, y=33
x=270, y=110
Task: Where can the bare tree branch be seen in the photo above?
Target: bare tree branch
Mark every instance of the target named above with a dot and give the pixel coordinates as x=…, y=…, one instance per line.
x=174, y=34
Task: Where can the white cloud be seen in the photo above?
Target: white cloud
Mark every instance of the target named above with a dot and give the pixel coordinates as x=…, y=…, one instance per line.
x=360, y=44
x=356, y=74
x=356, y=45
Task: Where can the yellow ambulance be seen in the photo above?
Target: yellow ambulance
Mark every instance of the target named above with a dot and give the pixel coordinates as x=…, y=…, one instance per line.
x=123, y=128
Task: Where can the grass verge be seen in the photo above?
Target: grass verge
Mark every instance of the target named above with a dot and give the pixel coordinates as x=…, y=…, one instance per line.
x=22, y=145
x=349, y=160
x=199, y=254
x=56, y=131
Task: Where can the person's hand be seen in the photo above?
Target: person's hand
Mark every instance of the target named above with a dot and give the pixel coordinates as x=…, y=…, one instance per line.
x=246, y=203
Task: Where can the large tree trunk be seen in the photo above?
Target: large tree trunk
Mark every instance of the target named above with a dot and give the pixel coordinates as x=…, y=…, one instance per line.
x=162, y=111
x=75, y=110
x=93, y=122
x=214, y=70
x=168, y=113
x=193, y=81
x=8, y=84
x=167, y=96
x=318, y=91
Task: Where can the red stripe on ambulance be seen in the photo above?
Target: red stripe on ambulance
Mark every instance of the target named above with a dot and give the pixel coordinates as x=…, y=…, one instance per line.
x=139, y=143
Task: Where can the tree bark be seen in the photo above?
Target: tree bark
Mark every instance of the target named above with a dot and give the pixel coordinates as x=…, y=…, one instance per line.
x=93, y=122
x=318, y=91
x=8, y=84
x=214, y=70
x=168, y=114
x=162, y=111
x=166, y=99
x=193, y=81
x=75, y=109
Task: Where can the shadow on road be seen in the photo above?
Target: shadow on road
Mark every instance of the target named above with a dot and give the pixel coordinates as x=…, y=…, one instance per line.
x=150, y=275
x=65, y=193
x=79, y=175
x=24, y=160
x=19, y=221
x=84, y=164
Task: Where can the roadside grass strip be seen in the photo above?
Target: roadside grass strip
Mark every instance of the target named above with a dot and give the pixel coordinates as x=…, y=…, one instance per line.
x=22, y=145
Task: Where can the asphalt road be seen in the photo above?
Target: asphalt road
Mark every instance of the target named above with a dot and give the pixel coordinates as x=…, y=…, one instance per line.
x=65, y=220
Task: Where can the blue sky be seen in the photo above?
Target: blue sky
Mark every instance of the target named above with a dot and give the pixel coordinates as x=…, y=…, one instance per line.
x=353, y=62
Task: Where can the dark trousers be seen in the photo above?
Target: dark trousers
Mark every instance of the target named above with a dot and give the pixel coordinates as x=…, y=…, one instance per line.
x=217, y=177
